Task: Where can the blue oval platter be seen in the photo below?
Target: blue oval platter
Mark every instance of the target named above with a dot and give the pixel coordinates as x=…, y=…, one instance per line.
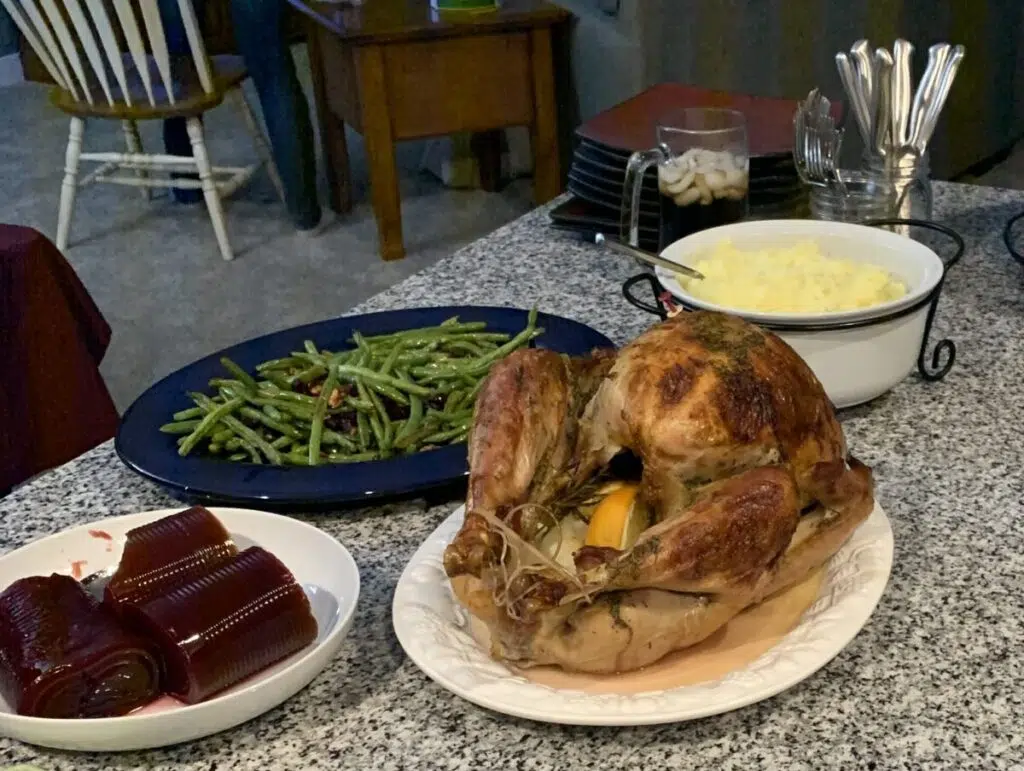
x=145, y=450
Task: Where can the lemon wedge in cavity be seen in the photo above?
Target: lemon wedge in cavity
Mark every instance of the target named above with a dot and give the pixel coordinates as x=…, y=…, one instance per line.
x=617, y=520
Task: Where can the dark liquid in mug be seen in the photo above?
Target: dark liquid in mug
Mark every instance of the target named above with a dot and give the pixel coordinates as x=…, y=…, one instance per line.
x=680, y=221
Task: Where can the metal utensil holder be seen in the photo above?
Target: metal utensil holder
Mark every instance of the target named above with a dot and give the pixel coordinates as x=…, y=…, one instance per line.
x=932, y=367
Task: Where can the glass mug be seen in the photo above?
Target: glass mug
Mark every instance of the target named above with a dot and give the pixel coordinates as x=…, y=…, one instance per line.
x=703, y=174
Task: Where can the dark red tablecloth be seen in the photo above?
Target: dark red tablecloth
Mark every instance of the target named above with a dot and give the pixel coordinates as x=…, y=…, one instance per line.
x=54, y=404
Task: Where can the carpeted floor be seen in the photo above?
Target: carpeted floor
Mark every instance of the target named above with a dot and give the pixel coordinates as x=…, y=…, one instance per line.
x=154, y=269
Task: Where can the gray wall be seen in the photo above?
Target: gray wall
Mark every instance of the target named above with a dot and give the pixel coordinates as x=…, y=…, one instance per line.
x=8, y=34
x=783, y=48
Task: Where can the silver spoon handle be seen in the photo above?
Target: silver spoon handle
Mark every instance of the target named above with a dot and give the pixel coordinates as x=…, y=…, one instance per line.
x=651, y=259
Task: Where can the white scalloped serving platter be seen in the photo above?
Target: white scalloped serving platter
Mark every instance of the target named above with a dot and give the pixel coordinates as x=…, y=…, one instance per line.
x=434, y=631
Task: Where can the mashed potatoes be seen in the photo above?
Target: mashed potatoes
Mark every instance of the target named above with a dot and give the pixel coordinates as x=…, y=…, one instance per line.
x=793, y=279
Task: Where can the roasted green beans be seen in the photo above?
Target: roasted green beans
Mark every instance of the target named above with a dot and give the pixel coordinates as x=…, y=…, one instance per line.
x=384, y=395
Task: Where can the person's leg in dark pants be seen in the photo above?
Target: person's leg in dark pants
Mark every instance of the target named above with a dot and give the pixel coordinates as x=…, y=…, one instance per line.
x=176, y=141
x=260, y=36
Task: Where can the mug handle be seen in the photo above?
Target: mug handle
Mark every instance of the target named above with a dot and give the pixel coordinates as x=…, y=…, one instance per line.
x=629, y=226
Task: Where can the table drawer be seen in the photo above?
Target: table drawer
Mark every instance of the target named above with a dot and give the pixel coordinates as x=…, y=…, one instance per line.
x=458, y=84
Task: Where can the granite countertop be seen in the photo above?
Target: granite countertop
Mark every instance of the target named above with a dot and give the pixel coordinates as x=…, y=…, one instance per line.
x=932, y=681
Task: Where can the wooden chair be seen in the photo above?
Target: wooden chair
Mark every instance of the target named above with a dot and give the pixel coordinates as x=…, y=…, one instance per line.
x=124, y=71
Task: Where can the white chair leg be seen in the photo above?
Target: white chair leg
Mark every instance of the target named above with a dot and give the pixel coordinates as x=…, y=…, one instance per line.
x=213, y=203
x=259, y=139
x=133, y=142
x=69, y=186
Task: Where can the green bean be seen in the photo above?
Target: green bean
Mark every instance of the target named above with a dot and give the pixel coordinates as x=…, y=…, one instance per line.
x=249, y=452
x=223, y=415
x=305, y=358
x=358, y=404
x=273, y=412
x=443, y=437
x=407, y=334
x=308, y=375
x=310, y=347
x=239, y=374
x=386, y=435
x=295, y=409
x=319, y=412
x=281, y=442
x=274, y=379
x=179, y=427
x=471, y=399
x=412, y=439
x=224, y=382
x=216, y=413
x=227, y=393
x=191, y=412
x=465, y=347
x=449, y=418
x=378, y=430
x=237, y=456
x=368, y=376
x=334, y=438
x=363, y=430
x=481, y=365
x=285, y=363
x=355, y=457
x=392, y=393
x=434, y=341
x=389, y=362
x=220, y=437
x=269, y=422
x=361, y=343
x=214, y=447
x=414, y=358
x=290, y=396
x=414, y=419
x=451, y=402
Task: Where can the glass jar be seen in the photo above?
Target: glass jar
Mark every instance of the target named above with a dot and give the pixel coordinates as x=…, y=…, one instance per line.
x=910, y=175
x=867, y=197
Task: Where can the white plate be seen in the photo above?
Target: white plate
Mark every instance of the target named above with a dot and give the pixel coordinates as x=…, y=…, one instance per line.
x=433, y=629
x=323, y=566
x=915, y=264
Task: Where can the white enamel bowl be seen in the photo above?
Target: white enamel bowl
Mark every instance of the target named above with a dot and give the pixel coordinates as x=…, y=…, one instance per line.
x=319, y=563
x=857, y=355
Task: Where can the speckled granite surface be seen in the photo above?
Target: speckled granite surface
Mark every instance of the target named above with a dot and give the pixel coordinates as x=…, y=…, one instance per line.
x=933, y=681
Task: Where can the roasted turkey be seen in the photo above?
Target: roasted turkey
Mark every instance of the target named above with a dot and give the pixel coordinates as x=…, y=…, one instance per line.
x=743, y=472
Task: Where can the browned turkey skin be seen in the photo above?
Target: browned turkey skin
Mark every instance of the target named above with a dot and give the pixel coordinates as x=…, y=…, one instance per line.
x=744, y=468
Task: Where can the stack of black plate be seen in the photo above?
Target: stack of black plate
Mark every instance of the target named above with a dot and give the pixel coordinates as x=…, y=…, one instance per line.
x=599, y=171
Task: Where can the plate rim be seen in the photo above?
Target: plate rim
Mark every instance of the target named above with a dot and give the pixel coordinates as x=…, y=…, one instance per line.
x=883, y=543
x=420, y=472
x=338, y=631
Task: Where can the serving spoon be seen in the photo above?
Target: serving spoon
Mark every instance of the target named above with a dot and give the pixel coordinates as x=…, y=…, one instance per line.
x=645, y=256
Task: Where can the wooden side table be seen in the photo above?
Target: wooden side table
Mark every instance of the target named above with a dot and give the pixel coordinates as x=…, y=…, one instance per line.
x=396, y=69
